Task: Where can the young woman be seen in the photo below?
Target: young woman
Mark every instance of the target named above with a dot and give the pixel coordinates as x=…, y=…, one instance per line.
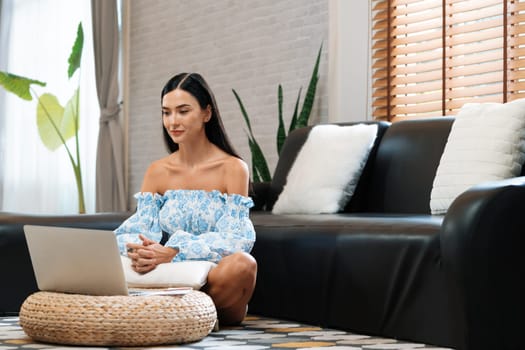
x=193, y=203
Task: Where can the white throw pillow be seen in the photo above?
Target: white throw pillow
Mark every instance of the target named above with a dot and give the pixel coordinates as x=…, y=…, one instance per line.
x=179, y=274
x=486, y=143
x=327, y=168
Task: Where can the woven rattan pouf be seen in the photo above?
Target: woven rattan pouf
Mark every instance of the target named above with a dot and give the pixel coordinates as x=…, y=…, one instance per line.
x=117, y=320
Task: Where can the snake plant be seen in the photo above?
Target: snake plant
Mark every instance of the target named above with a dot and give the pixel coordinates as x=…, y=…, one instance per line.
x=260, y=170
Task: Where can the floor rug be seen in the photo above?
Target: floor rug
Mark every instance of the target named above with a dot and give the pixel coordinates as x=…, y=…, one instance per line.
x=255, y=333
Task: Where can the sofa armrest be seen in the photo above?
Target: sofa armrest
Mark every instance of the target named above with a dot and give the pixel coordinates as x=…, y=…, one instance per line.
x=482, y=249
x=260, y=193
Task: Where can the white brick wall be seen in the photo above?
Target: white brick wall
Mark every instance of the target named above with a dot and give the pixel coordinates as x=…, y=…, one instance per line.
x=248, y=45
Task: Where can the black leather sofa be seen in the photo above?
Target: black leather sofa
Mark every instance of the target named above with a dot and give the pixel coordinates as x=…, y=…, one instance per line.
x=384, y=266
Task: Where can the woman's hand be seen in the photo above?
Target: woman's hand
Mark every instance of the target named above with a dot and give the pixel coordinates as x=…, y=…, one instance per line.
x=146, y=256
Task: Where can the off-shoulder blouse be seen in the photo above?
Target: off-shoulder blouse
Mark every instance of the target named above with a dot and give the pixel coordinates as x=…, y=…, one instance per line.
x=202, y=225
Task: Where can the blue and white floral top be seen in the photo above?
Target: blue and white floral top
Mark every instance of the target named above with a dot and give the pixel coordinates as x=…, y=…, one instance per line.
x=202, y=225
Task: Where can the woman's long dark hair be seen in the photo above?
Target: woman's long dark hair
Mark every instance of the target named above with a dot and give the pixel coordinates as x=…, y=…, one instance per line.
x=195, y=84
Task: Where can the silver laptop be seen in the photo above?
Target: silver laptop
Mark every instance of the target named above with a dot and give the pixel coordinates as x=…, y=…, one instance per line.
x=75, y=260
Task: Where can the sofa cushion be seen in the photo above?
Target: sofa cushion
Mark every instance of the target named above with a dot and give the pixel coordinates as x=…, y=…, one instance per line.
x=372, y=273
x=326, y=171
x=347, y=223
x=486, y=143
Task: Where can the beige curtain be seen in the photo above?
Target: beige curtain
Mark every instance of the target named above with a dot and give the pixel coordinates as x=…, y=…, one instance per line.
x=110, y=185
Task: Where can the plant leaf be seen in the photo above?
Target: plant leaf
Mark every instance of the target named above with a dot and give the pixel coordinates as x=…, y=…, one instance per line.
x=244, y=114
x=259, y=164
x=76, y=52
x=256, y=177
x=52, y=128
x=308, y=102
x=259, y=161
x=69, y=126
x=255, y=171
x=293, y=123
x=18, y=85
x=281, y=133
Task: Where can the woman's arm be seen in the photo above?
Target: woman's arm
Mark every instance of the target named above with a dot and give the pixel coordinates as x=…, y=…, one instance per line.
x=212, y=246
x=144, y=221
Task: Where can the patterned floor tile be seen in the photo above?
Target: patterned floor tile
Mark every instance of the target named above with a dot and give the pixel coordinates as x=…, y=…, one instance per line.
x=256, y=333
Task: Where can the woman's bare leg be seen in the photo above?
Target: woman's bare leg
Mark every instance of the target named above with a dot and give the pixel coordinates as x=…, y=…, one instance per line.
x=231, y=286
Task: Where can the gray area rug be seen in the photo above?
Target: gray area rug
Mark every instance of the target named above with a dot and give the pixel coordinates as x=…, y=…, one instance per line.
x=255, y=333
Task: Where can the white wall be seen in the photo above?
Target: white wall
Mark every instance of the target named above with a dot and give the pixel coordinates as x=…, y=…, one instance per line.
x=250, y=46
x=349, y=60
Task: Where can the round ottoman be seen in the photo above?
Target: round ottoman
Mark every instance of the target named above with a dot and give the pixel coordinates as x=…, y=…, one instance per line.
x=117, y=320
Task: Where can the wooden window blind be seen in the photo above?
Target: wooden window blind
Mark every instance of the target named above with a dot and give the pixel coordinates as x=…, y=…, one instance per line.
x=429, y=57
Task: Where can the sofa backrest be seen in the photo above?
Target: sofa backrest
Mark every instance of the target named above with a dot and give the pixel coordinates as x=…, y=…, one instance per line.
x=405, y=166
x=400, y=170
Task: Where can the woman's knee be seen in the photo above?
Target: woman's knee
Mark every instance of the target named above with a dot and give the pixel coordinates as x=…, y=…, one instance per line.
x=246, y=259
x=234, y=268
x=245, y=265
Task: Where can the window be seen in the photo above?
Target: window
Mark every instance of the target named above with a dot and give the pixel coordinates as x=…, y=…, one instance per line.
x=432, y=56
x=36, y=38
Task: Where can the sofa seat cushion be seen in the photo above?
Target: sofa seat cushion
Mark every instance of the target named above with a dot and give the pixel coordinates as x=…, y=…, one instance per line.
x=361, y=223
x=368, y=273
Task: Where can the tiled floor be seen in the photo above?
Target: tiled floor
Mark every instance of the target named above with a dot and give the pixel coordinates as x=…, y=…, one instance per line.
x=254, y=334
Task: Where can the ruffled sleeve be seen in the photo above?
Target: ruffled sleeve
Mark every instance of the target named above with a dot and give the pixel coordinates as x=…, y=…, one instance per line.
x=145, y=221
x=227, y=229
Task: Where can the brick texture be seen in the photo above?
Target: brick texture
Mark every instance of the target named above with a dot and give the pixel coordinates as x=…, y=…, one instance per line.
x=250, y=46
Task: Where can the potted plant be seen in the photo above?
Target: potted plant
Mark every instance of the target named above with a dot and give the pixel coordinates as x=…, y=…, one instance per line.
x=56, y=123
x=300, y=119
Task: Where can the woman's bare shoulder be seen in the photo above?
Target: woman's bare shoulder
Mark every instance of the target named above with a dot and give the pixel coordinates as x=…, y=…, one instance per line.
x=160, y=165
x=237, y=176
x=156, y=172
x=235, y=164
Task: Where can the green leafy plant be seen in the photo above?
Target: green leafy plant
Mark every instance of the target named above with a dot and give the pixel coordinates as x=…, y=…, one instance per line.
x=56, y=123
x=260, y=170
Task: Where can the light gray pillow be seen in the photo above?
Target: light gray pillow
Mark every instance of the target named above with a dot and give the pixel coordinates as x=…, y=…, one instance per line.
x=486, y=143
x=192, y=274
